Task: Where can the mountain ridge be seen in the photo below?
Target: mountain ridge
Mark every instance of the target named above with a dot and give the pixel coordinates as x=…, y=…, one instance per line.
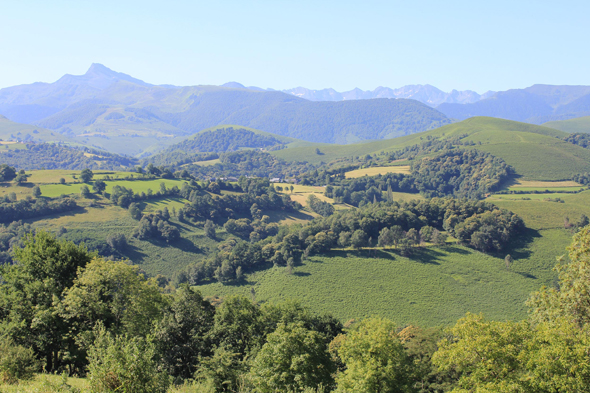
x=119, y=113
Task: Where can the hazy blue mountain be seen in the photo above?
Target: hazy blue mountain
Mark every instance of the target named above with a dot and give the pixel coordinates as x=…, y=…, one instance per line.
x=119, y=113
x=536, y=104
x=30, y=103
x=426, y=94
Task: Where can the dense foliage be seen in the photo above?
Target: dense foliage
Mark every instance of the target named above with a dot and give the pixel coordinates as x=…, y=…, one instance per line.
x=457, y=172
x=7, y=173
x=54, y=156
x=461, y=173
x=249, y=163
x=259, y=196
x=579, y=139
x=11, y=235
x=223, y=140
x=25, y=208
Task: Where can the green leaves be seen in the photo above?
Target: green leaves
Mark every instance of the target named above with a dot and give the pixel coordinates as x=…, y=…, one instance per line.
x=293, y=359
x=375, y=359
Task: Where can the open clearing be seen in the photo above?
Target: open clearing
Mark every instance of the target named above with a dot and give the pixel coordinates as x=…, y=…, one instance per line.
x=374, y=171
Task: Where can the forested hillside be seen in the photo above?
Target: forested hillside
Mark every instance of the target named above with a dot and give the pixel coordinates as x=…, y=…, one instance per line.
x=54, y=156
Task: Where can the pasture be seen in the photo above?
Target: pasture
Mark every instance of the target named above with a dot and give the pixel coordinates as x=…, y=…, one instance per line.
x=433, y=287
x=541, y=214
x=374, y=171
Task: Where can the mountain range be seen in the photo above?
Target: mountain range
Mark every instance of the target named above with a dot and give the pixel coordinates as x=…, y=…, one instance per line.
x=536, y=104
x=426, y=94
x=119, y=113
x=113, y=111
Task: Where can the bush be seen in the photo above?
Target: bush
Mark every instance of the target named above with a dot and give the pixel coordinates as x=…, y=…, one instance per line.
x=16, y=362
x=124, y=364
x=117, y=241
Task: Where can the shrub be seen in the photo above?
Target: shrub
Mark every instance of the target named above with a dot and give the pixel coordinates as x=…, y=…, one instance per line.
x=16, y=362
x=124, y=364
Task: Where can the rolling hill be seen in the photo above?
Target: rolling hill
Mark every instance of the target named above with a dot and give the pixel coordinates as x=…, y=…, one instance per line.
x=536, y=152
x=12, y=131
x=577, y=125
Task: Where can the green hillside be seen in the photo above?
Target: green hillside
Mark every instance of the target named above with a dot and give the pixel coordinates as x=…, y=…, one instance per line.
x=535, y=152
x=577, y=125
x=12, y=131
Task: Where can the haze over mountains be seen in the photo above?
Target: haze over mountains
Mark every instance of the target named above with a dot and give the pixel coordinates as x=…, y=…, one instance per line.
x=119, y=113
x=426, y=94
x=116, y=112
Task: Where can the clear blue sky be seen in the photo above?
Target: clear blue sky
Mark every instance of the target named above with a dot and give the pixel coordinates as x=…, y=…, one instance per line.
x=477, y=45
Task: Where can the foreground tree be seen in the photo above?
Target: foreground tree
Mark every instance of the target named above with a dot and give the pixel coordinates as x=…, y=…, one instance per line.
x=114, y=294
x=571, y=299
x=374, y=358
x=182, y=336
x=293, y=359
x=32, y=291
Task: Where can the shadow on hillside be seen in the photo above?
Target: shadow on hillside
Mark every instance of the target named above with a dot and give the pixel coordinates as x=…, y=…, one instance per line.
x=527, y=275
x=301, y=274
x=511, y=181
x=456, y=250
x=185, y=245
x=519, y=247
x=134, y=254
x=243, y=282
x=277, y=216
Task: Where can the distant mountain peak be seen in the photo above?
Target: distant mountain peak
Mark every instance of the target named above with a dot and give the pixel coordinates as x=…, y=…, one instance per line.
x=97, y=68
x=233, y=85
x=99, y=77
x=426, y=94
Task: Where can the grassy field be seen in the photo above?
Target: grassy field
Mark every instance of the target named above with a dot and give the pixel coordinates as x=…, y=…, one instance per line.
x=160, y=204
x=46, y=383
x=546, y=184
x=53, y=176
x=205, y=163
x=435, y=286
x=6, y=146
x=579, y=124
x=540, y=214
x=55, y=190
x=374, y=171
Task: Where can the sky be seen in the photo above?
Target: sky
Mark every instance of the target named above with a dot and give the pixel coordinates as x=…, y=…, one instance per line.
x=463, y=45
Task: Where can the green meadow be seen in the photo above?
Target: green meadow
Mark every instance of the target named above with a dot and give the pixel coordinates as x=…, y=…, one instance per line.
x=433, y=287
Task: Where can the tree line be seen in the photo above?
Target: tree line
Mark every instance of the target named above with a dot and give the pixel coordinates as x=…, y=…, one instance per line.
x=477, y=224
x=31, y=208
